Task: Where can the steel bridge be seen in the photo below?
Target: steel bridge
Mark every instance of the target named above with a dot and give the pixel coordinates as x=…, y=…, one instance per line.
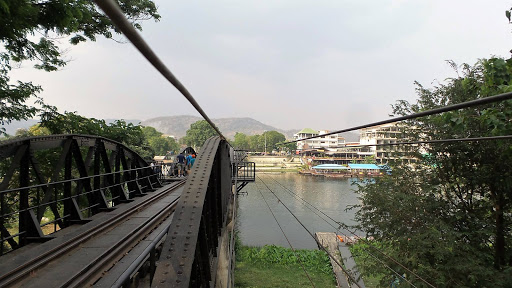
x=80, y=210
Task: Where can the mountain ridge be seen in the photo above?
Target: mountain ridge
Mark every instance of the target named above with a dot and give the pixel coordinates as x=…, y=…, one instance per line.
x=178, y=125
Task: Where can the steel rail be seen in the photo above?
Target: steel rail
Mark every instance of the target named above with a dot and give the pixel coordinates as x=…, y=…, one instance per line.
x=115, y=14
x=15, y=275
x=458, y=106
x=135, y=265
x=88, y=273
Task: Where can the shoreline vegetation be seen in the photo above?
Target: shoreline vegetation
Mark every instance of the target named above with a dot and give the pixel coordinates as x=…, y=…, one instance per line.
x=275, y=266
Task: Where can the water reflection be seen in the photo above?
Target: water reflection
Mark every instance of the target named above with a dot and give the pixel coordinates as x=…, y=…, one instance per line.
x=257, y=227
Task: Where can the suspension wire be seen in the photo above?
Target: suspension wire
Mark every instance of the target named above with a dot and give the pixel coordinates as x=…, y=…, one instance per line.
x=344, y=226
x=115, y=14
x=458, y=106
x=434, y=141
x=351, y=278
x=287, y=240
x=387, y=266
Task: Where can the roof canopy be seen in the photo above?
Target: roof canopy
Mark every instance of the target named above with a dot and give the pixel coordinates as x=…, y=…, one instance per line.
x=364, y=166
x=330, y=166
x=308, y=131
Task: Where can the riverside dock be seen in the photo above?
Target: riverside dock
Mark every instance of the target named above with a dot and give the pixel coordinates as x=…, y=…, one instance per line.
x=342, y=254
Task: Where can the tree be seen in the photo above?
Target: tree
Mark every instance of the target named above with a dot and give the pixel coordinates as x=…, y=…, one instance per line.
x=150, y=132
x=158, y=142
x=289, y=147
x=21, y=20
x=120, y=131
x=198, y=133
x=162, y=145
x=255, y=143
x=241, y=141
x=449, y=219
x=272, y=138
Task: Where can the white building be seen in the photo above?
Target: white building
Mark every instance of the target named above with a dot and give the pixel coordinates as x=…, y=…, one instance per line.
x=381, y=134
x=326, y=142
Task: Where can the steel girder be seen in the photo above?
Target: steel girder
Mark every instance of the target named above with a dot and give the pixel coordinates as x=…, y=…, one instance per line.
x=82, y=172
x=189, y=254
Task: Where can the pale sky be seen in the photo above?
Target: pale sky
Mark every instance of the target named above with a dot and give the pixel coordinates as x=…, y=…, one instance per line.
x=287, y=63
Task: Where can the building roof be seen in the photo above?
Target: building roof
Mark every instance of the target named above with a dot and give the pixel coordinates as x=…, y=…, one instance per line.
x=364, y=166
x=330, y=166
x=307, y=131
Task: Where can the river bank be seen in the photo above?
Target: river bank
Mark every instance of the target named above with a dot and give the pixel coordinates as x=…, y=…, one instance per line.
x=274, y=266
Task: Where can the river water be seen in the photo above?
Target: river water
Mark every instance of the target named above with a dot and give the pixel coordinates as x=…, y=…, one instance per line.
x=257, y=226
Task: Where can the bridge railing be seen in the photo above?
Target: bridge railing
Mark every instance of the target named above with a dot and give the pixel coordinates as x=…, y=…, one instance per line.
x=81, y=176
x=190, y=255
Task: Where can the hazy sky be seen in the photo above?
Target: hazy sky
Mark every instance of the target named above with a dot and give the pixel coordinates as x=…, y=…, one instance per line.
x=287, y=63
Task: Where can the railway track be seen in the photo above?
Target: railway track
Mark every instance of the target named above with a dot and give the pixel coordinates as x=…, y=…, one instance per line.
x=82, y=255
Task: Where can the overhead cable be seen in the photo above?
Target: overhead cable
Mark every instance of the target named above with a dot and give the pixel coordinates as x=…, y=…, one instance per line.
x=349, y=276
x=458, y=106
x=113, y=11
x=434, y=141
x=353, y=233
x=287, y=240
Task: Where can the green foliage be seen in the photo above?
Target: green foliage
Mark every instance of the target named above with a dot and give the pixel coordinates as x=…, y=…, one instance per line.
x=449, y=218
x=312, y=259
x=256, y=143
x=290, y=147
x=274, y=266
x=241, y=141
x=160, y=144
x=198, y=133
x=20, y=21
x=120, y=131
x=369, y=160
x=272, y=138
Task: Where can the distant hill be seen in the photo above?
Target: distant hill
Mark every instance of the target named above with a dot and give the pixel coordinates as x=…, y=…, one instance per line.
x=178, y=126
x=12, y=127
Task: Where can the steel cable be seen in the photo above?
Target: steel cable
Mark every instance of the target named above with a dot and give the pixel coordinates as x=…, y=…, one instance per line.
x=503, y=137
x=115, y=14
x=349, y=276
x=458, y=106
x=344, y=226
x=287, y=240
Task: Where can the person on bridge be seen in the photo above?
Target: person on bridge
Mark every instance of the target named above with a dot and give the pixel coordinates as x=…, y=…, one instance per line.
x=189, y=158
x=192, y=160
x=181, y=164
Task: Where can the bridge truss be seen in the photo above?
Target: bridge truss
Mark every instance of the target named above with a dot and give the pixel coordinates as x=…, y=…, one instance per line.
x=53, y=182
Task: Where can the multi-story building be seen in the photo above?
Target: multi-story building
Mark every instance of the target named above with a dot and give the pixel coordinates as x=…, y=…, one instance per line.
x=381, y=134
x=322, y=142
